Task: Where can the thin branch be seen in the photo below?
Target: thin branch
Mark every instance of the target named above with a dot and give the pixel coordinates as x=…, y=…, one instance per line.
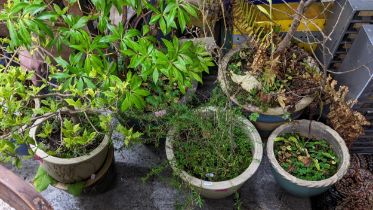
x=53, y=95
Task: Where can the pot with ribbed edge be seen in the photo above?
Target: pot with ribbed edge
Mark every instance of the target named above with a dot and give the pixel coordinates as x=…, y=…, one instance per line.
x=311, y=129
x=71, y=170
x=221, y=189
x=270, y=118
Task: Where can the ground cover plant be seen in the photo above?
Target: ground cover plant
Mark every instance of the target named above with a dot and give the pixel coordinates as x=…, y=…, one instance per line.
x=305, y=158
x=211, y=146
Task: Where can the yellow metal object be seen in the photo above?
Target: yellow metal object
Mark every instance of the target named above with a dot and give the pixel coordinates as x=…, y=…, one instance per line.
x=282, y=16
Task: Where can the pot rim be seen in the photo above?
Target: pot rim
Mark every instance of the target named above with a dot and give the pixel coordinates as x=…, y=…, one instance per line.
x=343, y=165
x=63, y=161
x=221, y=185
x=300, y=105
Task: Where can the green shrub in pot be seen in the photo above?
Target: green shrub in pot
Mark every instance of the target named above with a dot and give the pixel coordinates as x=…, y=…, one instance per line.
x=213, y=150
x=69, y=132
x=142, y=70
x=118, y=69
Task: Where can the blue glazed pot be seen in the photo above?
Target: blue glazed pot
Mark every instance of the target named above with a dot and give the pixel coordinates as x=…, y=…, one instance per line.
x=267, y=123
x=313, y=129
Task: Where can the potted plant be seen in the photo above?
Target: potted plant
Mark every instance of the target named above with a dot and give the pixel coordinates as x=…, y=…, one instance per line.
x=107, y=73
x=270, y=75
x=307, y=157
x=69, y=133
x=213, y=150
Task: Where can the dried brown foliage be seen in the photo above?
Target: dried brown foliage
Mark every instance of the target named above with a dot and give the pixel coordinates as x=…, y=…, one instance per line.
x=356, y=186
x=347, y=122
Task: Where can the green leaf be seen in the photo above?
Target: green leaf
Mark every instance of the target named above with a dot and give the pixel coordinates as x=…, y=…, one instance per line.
x=126, y=103
x=12, y=33
x=89, y=83
x=142, y=92
x=80, y=84
x=42, y=180
x=154, y=19
x=18, y=7
x=70, y=102
x=60, y=75
x=47, y=16
x=162, y=25
x=81, y=22
x=182, y=21
x=155, y=76
x=190, y=9
x=75, y=189
x=61, y=62
x=254, y=116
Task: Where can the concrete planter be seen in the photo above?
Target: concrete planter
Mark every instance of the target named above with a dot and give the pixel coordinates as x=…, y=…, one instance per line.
x=271, y=118
x=70, y=170
x=216, y=190
x=304, y=188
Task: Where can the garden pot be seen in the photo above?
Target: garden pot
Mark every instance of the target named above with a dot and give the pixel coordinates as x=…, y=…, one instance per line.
x=313, y=129
x=71, y=170
x=216, y=190
x=271, y=118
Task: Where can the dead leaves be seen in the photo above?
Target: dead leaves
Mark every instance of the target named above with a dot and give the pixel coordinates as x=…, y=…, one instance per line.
x=347, y=122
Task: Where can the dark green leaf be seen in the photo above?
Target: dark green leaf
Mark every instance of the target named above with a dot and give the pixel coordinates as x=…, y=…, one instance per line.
x=42, y=180
x=76, y=189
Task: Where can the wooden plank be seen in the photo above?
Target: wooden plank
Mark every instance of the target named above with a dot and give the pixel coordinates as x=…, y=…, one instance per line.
x=20, y=194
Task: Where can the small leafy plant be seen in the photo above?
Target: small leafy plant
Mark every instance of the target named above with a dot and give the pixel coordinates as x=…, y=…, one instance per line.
x=75, y=140
x=212, y=146
x=306, y=158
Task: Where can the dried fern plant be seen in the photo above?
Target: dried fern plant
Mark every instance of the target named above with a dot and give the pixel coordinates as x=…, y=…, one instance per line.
x=347, y=122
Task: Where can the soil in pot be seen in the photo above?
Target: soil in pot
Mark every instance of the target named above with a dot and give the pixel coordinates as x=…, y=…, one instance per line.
x=211, y=146
x=306, y=158
x=77, y=139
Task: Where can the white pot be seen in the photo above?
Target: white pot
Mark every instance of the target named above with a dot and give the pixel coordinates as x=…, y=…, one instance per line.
x=70, y=170
x=216, y=190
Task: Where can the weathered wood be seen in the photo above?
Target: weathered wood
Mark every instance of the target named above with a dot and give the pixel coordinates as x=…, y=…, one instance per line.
x=20, y=194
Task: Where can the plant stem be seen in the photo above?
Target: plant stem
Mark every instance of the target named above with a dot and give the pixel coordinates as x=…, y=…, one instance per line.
x=285, y=43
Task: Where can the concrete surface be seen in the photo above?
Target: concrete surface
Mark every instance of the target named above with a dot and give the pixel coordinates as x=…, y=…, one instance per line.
x=5, y=206
x=127, y=191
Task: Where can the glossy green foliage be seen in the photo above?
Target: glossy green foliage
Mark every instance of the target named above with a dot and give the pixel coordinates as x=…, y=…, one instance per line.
x=306, y=158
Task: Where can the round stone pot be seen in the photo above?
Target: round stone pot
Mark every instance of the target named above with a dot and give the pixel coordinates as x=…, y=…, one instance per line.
x=271, y=118
x=216, y=190
x=71, y=170
x=313, y=129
